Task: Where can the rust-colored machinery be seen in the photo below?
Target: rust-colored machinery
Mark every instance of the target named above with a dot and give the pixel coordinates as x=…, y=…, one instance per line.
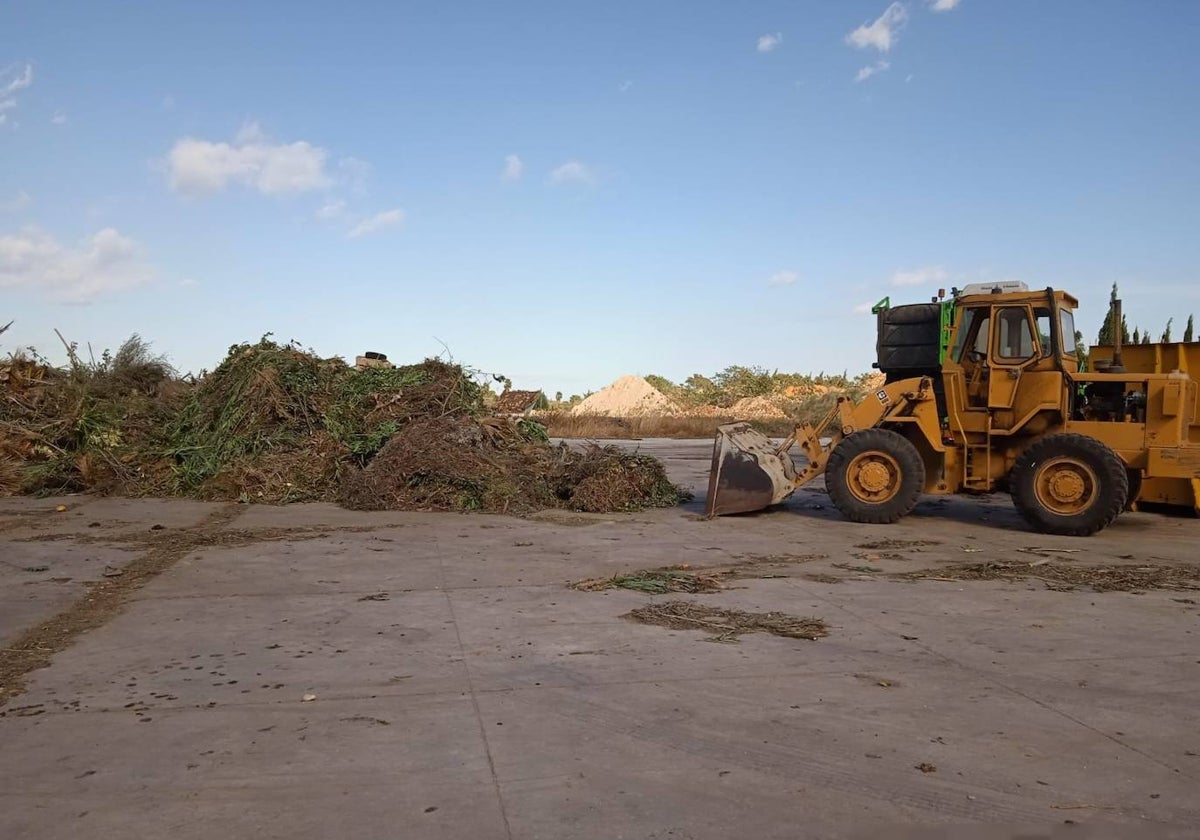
x=983, y=392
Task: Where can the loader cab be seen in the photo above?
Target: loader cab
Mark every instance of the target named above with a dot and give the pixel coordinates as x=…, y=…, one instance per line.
x=1005, y=339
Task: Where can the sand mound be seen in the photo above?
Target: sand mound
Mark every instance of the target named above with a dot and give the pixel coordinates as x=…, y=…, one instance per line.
x=629, y=396
x=810, y=389
x=756, y=408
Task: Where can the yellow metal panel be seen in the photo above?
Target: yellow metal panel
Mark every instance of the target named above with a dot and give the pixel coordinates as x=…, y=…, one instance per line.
x=1177, y=492
x=1155, y=358
x=1171, y=402
x=1174, y=462
x=1120, y=437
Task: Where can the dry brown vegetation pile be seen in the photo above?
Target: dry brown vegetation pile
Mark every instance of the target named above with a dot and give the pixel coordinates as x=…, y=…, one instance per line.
x=458, y=463
x=276, y=423
x=726, y=625
x=1063, y=576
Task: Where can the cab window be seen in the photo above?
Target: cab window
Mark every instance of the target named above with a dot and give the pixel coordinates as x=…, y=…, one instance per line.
x=1043, y=332
x=972, y=333
x=1014, y=335
x=1067, y=331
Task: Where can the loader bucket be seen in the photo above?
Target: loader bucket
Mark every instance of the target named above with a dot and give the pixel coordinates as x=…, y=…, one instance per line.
x=747, y=472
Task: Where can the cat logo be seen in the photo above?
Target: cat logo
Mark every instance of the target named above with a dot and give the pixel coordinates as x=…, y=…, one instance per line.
x=882, y=396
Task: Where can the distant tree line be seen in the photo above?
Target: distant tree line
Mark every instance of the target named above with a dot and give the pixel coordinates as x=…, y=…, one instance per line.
x=1138, y=336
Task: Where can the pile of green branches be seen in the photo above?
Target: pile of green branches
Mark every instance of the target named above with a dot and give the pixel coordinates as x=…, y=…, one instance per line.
x=277, y=423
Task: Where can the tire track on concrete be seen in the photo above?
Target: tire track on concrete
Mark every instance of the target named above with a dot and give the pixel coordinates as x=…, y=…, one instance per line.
x=103, y=600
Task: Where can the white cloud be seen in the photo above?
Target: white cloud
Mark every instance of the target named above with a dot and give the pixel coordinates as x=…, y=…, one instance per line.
x=201, y=166
x=926, y=275
x=333, y=209
x=379, y=221
x=864, y=307
x=883, y=32
x=189, y=281
x=768, y=42
x=59, y=118
x=870, y=70
x=18, y=202
x=782, y=278
x=942, y=5
x=104, y=262
x=513, y=168
x=13, y=79
x=572, y=172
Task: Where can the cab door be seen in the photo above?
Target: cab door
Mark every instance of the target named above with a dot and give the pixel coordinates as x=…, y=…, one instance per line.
x=1014, y=348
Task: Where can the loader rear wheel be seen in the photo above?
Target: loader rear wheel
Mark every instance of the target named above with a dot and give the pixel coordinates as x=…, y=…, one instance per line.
x=1071, y=485
x=875, y=476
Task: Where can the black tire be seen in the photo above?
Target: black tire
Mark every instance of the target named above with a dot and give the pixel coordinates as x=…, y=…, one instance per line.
x=1052, y=471
x=903, y=470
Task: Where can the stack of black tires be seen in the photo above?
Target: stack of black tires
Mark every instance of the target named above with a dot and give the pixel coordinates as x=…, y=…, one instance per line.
x=909, y=342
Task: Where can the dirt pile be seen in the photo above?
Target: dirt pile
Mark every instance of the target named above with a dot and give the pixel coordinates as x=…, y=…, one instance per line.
x=629, y=396
x=757, y=408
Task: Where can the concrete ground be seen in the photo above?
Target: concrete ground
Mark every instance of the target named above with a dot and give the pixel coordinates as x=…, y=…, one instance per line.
x=311, y=672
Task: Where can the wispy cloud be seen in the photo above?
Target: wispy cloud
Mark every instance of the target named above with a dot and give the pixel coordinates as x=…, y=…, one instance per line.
x=168, y=103
x=864, y=307
x=625, y=85
x=59, y=118
x=927, y=275
x=572, y=172
x=330, y=210
x=13, y=79
x=942, y=5
x=882, y=33
x=513, y=168
x=18, y=202
x=783, y=278
x=769, y=42
x=202, y=166
x=372, y=224
x=103, y=263
x=870, y=70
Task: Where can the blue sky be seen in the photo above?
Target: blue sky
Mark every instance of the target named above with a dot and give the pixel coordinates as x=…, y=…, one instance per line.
x=568, y=192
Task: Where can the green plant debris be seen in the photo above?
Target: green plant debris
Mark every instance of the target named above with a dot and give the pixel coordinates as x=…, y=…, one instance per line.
x=276, y=423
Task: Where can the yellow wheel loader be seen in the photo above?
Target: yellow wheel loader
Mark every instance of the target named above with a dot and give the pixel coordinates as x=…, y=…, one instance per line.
x=982, y=392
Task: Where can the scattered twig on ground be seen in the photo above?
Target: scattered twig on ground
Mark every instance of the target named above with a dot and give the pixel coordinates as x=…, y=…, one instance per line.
x=727, y=624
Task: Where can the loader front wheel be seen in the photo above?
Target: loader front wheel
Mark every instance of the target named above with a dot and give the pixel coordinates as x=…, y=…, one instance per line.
x=1070, y=485
x=875, y=476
